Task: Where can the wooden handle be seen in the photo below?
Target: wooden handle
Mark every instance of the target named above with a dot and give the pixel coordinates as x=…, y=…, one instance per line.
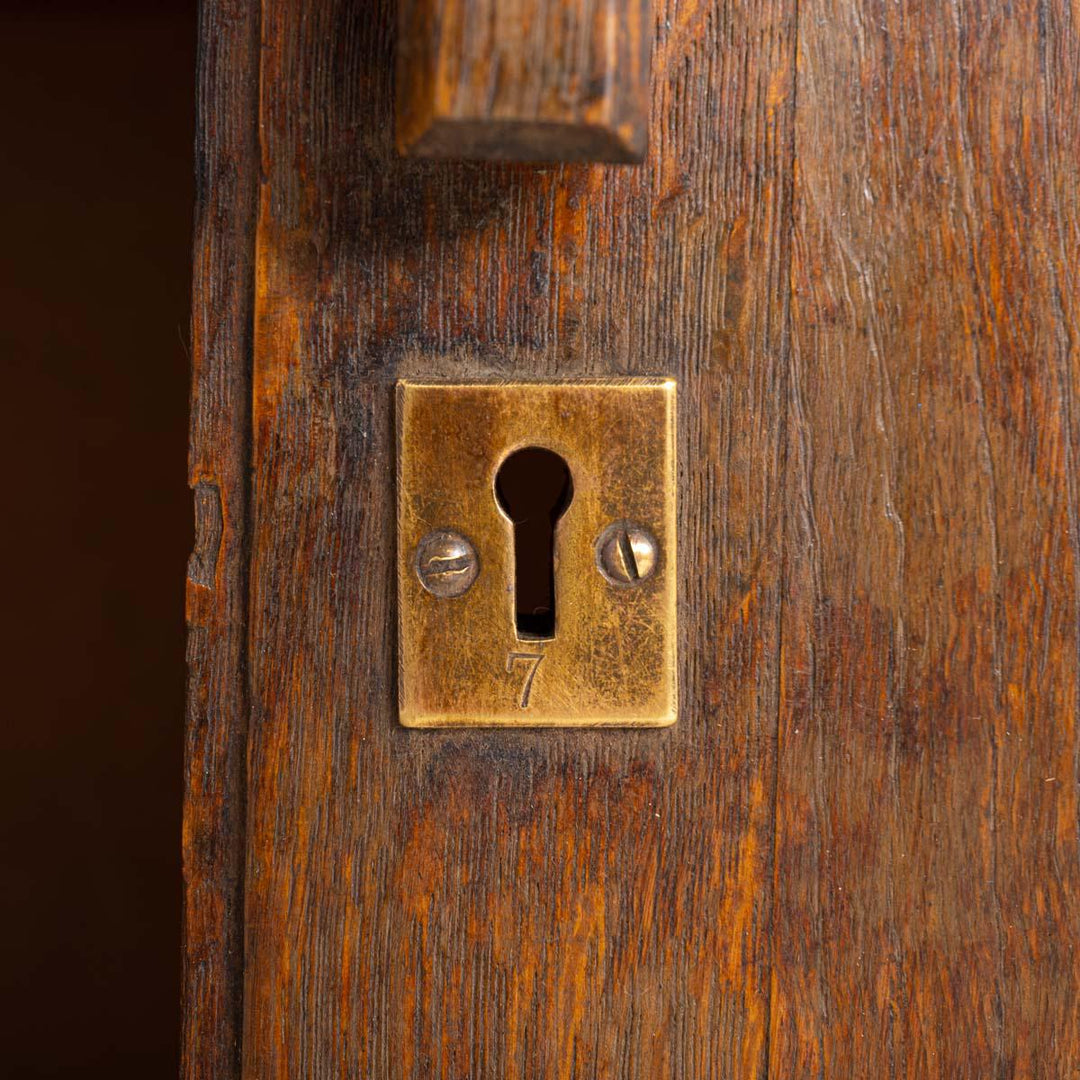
x=524, y=80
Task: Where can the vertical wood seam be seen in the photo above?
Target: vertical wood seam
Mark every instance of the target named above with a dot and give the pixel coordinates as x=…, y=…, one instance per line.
x=1063, y=350
x=785, y=390
x=218, y=691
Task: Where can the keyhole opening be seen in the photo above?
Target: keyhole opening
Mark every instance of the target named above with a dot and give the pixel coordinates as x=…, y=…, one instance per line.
x=533, y=487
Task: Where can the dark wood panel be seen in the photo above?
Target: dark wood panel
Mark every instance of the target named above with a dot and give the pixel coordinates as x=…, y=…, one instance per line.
x=857, y=851
x=217, y=700
x=495, y=904
x=926, y=873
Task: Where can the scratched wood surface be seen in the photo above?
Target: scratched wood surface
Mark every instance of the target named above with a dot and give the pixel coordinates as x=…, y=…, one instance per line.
x=927, y=881
x=491, y=903
x=216, y=591
x=853, y=240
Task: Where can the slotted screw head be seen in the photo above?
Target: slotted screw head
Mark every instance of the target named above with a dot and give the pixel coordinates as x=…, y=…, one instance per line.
x=626, y=554
x=446, y=563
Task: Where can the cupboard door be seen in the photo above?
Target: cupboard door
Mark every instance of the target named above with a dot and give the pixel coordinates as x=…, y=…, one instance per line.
x=855, y=852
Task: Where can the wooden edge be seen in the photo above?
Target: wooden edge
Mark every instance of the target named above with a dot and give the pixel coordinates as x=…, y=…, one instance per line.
x=226, y=167
x=526, y=141
x=447, y=107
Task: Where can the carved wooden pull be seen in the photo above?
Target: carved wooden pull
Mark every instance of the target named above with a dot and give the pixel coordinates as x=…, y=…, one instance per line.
x=524, y=80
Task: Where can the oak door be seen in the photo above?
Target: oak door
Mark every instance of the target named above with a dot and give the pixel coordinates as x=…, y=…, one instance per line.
x=853, y=243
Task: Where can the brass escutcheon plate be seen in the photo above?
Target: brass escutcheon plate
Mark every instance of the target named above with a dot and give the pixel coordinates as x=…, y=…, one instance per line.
x=612, y=657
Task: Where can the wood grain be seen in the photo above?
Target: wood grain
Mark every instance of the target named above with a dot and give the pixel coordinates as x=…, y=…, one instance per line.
x=926, y=872
x=857, y=853
x=217, y=698
x=524, y=80
x=510, y=904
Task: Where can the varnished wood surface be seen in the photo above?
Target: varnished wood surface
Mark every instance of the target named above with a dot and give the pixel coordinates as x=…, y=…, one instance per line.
x=523, y=80
x=217, y=699
x=493, y=903
x=927, y=879
x=856, y=853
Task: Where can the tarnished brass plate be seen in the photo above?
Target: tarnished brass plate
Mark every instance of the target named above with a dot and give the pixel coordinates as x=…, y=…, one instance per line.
x=612, y=658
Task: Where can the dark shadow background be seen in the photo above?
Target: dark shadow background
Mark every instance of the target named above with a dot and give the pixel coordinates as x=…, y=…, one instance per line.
x=96, y=204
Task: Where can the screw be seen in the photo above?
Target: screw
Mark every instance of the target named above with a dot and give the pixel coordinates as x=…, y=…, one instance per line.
x=626, y=554
x=446, y=563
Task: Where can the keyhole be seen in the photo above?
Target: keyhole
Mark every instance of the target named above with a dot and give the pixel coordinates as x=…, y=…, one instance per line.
x=533, y=487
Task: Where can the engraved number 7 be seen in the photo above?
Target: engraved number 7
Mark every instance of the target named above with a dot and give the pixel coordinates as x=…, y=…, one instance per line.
x=526, y=690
